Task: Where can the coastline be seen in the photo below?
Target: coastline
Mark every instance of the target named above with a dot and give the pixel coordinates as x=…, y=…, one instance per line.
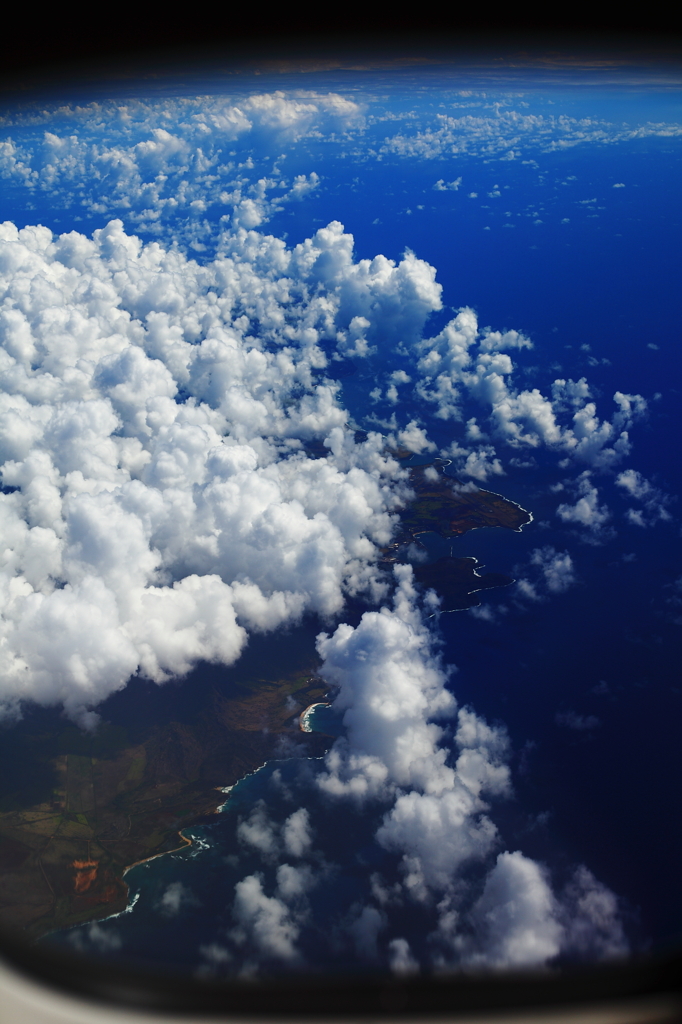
x=228, y=789
x=145, y=860
x=186, y=842
x=304, y=717
x=439, y=507
x=516, y=505
x=170, y=780
x=118, y=804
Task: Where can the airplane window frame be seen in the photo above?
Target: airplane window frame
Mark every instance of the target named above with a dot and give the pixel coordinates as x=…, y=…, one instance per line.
x=117, y=984
x=120, y=985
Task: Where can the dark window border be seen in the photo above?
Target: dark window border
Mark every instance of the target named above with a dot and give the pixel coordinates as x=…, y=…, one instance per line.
x=119, y=985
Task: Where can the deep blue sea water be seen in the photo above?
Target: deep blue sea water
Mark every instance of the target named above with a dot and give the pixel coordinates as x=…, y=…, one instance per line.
x=571, y=261
x=208, y=871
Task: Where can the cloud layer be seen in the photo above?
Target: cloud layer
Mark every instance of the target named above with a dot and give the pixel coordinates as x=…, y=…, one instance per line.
x=154, y=162
x=421, y=776
x=180, y=473
x=508, y=134
x=158, y=500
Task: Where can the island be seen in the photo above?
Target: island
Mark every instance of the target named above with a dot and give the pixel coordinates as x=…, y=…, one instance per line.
x=89, y=806
x=112, y=804
x=449, y=507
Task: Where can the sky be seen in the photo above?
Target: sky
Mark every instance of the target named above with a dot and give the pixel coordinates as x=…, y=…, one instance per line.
x=195, y=288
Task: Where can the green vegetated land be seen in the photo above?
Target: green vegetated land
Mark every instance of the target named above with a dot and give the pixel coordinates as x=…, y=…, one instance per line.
x=113, y=804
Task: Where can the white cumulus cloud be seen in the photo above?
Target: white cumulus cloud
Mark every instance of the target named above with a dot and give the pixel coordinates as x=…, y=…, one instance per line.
x=587, y=512
x=463, y=362
x=159, y=504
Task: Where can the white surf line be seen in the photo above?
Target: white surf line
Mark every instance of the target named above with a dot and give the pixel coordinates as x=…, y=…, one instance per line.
x=228, y=789
x=126, y=910
x=304, y=717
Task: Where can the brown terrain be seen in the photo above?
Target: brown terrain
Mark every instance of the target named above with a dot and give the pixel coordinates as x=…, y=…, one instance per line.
x=450, y=508
x=111, y=803
x=62, y=860
x=445, y=506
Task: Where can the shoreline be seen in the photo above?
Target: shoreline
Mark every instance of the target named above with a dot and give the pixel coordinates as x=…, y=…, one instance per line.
x=145, y=860
x=225, y=790
x=307, y=712
x=130, y=903
x=516, y=504
x=228, y=789
x=144, y=797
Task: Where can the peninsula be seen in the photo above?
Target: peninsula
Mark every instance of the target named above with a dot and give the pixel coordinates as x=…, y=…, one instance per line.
x=101, y=803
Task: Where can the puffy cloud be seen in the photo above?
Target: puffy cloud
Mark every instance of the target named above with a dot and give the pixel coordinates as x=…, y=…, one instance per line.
x=653, y=500
x=443, y=186
x=258, y=831
x=391, y=687
x=634, y=484
x=294, y=836
x=496, y=341
x=295, y=114
x=176, y=896
x=293, y=883
x=297, y=834
x=479, y=463
x=353, y=342
x=157, y=492
x=395, y=298
x=506, y=134
x=518, y=921
x=591, y=918
x=414, y=438
x=401, y=960
x=465, y=362
x=555, y=570
x=264, y=921
x=587, y=512
x=437, y=836
x=159, y=159
x=515, y=919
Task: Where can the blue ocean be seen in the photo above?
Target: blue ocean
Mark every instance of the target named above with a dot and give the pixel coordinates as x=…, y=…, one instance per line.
x=578, y=248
